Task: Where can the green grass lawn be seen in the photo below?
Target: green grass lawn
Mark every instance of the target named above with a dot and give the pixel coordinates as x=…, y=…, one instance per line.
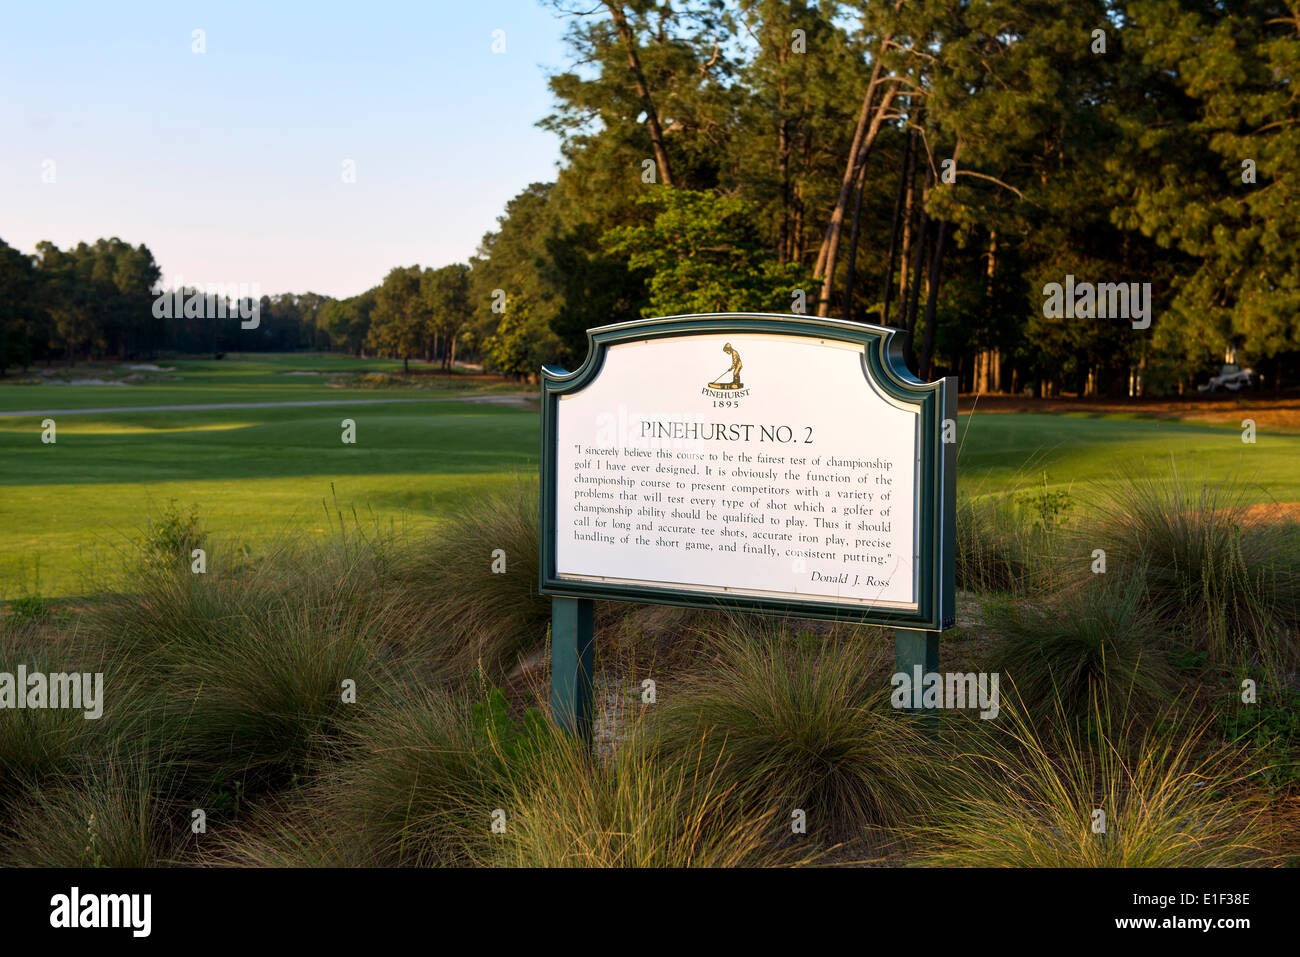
x=999, y=452
x=260, y=473
x=242, y=378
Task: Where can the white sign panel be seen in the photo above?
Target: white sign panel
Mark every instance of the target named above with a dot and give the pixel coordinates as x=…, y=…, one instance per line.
x=752, y=464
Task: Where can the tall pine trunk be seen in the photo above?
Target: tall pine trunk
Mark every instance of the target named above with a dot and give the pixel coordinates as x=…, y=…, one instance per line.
x=909, y=233
x=987, y=361
x=895, y=229
x=853, y=245
x=642, y=90
x=919, y=254
x=932, y=300
x=870, y=118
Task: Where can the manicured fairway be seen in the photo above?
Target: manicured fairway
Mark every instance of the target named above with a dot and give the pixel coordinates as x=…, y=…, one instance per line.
x=260, y=473
x=1006, y=450
x=256, y=474
x=187, y=381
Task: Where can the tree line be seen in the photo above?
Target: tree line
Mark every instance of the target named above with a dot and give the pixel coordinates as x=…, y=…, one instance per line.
x=947, y=168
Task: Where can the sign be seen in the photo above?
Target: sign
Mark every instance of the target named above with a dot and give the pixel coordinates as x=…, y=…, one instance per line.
x=771, y=463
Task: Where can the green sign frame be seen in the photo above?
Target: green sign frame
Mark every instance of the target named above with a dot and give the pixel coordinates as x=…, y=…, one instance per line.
x=882, y=364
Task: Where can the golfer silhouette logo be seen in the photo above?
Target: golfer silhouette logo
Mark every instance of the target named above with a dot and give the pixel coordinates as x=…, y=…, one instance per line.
x=734, y=371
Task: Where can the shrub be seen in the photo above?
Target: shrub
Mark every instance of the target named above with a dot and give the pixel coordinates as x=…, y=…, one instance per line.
x=31, y=608
x=170, y=538
x=1269, y=730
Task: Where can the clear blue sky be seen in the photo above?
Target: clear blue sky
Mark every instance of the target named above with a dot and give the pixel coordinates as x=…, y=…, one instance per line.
x=228, y=164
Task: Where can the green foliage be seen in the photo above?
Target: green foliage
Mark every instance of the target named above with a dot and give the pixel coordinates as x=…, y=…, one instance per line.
x=522, y=343
x=510, y=271
x=512, y=740
x=991, y=546
x=705, y=254
x=446, y=294
x=1270, y=728
x=595, y=288
x=1046, y=506
x=170, y=538
x=1223, y=104
x=347, y=321
x=32, y=608
x=97, y=298
x=399, y=322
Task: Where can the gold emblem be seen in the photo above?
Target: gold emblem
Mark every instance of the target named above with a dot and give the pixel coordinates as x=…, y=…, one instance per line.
x=734, y=372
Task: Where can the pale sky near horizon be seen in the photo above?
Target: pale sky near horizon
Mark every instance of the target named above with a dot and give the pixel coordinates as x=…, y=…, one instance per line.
x=229, y=164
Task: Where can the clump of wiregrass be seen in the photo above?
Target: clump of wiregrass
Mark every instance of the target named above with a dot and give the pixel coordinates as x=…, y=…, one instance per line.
x=637, y=809
x=993, y=548
x=39, y=746
x=179, y=601
x=48, y=747
x=415, y=784
x=255, y=666
x=1231, y=584
x=442, y=779
x=790, y=722
x=1024, y=791
x=283, y=833
x=1095, y=639
x=116, y=813
x=476, y=578
x=255, y=706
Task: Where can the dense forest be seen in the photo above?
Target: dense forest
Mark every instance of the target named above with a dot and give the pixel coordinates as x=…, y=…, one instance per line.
x=954, y=169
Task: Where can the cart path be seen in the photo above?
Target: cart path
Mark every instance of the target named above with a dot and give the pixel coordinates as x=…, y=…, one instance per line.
x=518, y=400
